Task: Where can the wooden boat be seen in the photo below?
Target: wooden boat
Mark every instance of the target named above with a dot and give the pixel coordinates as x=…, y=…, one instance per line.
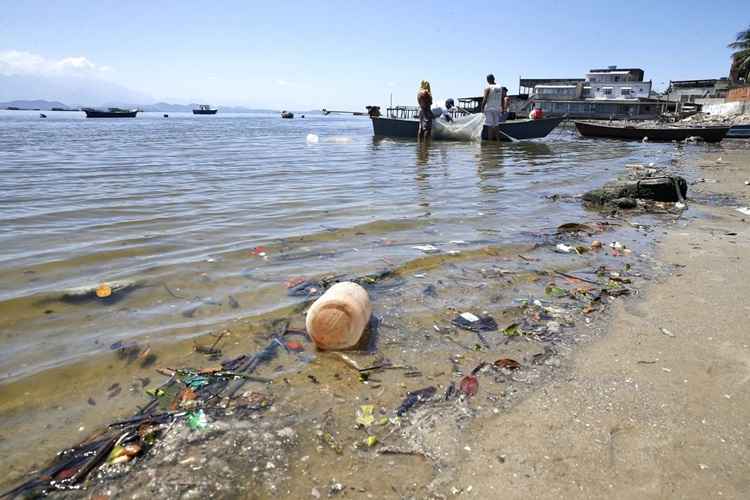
x=287, y=114
x=635, y=133
x=204, y=109
x=739, y=132
x=514, y=129
x=110, y=113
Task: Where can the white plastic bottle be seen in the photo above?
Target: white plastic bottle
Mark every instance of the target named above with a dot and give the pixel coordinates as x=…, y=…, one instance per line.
x=338, y=318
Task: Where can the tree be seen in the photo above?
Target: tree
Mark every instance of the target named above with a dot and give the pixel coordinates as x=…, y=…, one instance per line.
x=741, y=56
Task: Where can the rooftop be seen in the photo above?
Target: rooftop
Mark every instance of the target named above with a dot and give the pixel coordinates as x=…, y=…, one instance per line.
x=615, y=69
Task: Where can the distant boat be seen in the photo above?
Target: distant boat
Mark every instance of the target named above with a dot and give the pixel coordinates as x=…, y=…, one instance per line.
x=664, y=133
x=205, y=109
x=42, y=115
x=287, y=114
x=110, y=113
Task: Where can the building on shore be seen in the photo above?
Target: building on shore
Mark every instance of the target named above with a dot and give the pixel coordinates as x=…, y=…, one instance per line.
x=688, y=91
x=608, y=93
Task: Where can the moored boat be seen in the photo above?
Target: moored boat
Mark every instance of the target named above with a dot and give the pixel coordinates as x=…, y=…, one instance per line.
x=510, y=130
x=739, y=132
x=110, y=113
x=659, y=134
x=204, y=109
x=287, y=114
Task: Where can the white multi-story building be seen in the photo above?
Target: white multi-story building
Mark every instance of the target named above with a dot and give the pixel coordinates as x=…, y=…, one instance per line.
x=613, y=83
x=605, y=93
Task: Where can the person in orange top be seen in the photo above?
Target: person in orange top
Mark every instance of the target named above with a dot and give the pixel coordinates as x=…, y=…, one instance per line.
x=424, y=99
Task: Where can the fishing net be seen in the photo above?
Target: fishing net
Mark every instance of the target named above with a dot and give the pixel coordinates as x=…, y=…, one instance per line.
x=466, y=128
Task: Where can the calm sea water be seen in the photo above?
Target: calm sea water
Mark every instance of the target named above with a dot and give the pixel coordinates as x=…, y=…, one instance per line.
x=181, y=210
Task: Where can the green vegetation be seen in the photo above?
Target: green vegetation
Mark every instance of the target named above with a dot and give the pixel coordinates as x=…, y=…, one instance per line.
x=741, y=56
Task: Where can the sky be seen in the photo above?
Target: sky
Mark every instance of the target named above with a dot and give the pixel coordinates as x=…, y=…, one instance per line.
x=348, y=54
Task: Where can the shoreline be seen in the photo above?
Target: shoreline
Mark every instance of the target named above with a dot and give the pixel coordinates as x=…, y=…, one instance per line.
x=463, y=437
x=645, y=414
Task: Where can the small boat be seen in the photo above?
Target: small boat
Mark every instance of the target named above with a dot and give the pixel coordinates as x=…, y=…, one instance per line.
x=287, y=114
x=42, y=115
x=739, y=132
x=635, y=133
x=205, y=109
x=512, y=129
x=110, y=113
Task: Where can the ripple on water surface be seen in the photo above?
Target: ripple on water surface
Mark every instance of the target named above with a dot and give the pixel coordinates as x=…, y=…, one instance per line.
x=175, y=207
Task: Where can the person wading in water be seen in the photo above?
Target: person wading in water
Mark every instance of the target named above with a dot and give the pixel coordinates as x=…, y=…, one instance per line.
x=424, y=99
x=492, y=105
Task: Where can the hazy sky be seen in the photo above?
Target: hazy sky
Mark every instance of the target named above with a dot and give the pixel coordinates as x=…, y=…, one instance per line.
x=302, y=55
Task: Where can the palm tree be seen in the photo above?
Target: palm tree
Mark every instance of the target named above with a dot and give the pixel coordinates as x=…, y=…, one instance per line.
x=741, y=56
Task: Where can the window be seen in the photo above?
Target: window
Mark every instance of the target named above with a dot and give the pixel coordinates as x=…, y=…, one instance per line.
x=626, y=92
x=607, y=91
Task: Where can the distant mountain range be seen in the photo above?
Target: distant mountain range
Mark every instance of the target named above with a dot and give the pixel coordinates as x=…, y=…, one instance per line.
x=161, y=107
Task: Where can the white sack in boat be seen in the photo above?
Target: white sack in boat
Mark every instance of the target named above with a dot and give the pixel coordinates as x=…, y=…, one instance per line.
x=465, y=128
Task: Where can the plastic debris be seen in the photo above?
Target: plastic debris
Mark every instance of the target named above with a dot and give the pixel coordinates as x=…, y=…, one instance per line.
x=426, y=248
x=512, y=330
x=414, y=398
x=507, y=363
x=312, y=139
x=666, y=332
x=744, y=210
x=555, y=291
x=473, y=323
x=103, y=291
x=339, y=317
x=563, y=248
x=196, y=420
x=468, y=386
x=365, y=415
x=295, y=346
x=371, y=441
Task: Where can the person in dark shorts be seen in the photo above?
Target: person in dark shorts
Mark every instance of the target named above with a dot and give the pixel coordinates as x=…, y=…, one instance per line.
x=424, y=100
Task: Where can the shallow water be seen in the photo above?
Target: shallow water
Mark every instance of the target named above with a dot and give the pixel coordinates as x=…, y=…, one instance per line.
x=180, y=209
x=179, y=213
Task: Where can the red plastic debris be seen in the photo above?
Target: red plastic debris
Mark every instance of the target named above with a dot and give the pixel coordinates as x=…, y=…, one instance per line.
x=469, y=385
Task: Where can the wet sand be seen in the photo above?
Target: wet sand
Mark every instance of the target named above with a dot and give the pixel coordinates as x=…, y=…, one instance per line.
x=643, y=414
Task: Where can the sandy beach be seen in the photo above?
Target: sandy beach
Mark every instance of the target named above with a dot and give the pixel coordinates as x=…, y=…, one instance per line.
x=642, y=413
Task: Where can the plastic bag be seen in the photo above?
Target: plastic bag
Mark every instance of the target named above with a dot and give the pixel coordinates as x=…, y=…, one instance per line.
x=466, y=128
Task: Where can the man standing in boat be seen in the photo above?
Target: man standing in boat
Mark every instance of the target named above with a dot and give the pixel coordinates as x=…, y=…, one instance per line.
x=492, y=105
x=424, y=99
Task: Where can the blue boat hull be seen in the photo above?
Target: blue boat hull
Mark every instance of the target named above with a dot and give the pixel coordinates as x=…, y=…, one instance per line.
x=517, y=129
x=739, y=132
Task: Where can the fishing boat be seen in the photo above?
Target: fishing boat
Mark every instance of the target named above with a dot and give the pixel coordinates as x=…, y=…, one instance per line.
x=739, y=132
x=663, y=133
x=204, y=109
x=110, y=113
x=287, y=114
x=509, y=130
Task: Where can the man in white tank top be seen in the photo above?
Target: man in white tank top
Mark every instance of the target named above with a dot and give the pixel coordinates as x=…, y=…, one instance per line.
x=492, y=105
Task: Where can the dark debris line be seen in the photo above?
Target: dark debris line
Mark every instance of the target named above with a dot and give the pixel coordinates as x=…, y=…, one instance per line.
x=186, y=393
